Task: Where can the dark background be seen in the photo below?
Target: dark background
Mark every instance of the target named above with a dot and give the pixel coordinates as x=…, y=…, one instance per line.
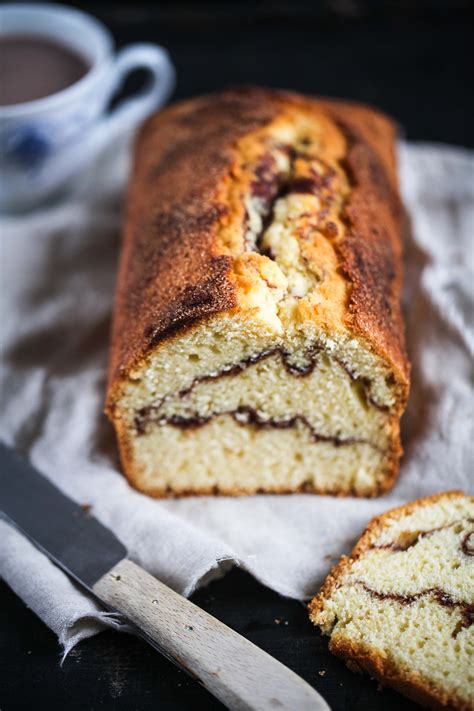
x=412, y=59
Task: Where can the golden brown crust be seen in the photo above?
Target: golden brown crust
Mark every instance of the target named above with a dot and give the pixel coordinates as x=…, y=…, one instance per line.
x=170, y=275
x=360, y=658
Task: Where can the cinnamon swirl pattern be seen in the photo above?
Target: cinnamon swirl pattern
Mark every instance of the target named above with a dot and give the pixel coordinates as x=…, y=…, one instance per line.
x=402, y=606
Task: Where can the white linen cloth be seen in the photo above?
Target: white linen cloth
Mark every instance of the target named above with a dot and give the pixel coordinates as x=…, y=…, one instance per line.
x=57, y=278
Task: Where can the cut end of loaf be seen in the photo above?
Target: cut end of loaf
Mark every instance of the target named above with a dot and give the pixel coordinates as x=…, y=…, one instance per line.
x=401, y=608
x=228, y=409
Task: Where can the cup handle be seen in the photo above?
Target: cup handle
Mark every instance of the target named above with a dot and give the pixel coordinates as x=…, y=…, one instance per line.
x=130, y=112
x=142, y=56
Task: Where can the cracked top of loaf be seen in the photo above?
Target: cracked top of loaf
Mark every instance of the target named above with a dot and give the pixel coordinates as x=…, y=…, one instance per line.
x=258, y=200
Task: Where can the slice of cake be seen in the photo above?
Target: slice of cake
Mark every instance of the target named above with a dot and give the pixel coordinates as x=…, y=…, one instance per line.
x=402, y=606
x=257, y=341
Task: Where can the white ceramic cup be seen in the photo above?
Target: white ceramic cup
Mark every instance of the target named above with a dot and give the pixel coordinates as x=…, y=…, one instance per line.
x=43, y=143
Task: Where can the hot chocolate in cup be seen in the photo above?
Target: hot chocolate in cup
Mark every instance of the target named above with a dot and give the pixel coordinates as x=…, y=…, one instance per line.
x=60, y=72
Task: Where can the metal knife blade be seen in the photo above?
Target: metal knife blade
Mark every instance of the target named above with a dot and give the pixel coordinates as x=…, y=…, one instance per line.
x=242, y=676
x=70, y=536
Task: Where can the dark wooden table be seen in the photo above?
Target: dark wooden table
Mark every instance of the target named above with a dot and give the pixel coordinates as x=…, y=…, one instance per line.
x=412, y=60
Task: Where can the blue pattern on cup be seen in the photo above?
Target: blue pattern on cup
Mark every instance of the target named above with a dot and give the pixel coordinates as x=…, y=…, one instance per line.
x=28, y=147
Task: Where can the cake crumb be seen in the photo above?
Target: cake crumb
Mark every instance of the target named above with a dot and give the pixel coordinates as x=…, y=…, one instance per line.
x=413, y=537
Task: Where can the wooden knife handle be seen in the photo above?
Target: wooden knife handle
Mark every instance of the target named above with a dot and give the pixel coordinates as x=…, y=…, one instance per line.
x=233, y=669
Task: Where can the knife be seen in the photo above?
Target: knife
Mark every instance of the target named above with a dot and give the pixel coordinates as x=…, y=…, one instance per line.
x=234, y=670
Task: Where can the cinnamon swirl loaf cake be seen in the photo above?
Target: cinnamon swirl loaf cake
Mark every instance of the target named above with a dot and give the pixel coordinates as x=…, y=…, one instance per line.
x=257, y=341
x=402, y=606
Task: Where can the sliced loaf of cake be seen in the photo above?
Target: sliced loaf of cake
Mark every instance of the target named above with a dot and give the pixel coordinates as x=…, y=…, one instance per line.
x=402, y=606
x=258, y=342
